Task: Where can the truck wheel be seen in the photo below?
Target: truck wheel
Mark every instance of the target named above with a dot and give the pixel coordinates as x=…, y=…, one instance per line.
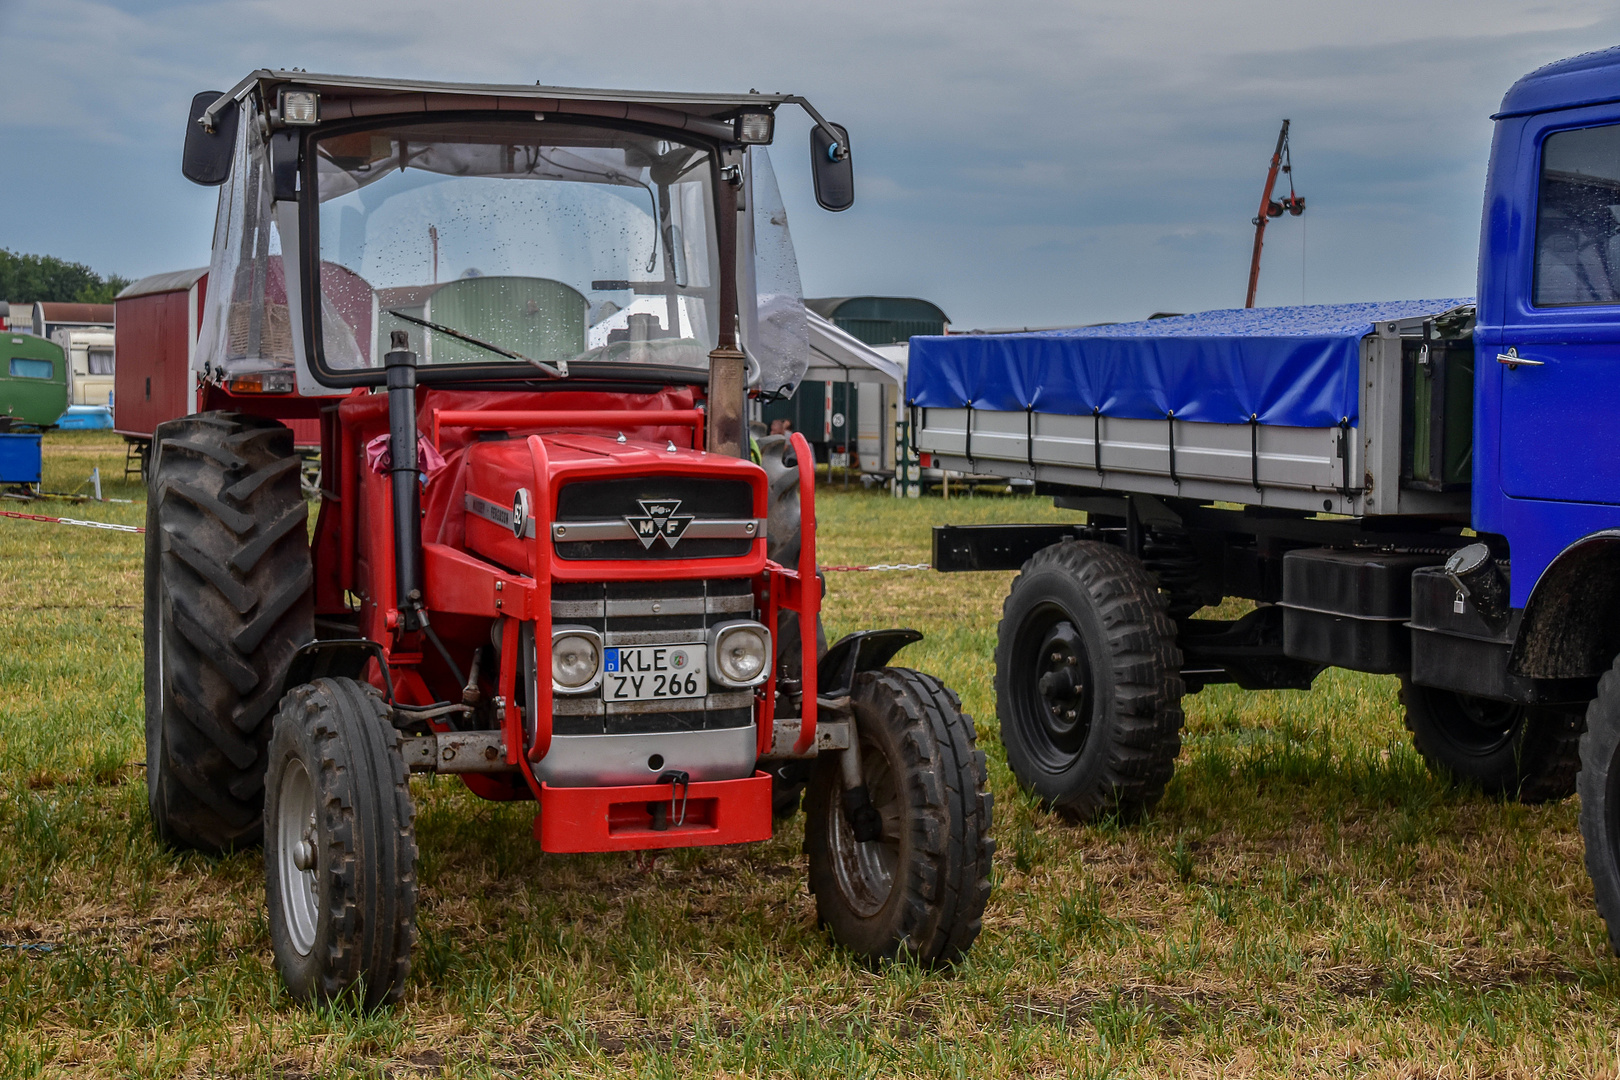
x=228, y=584
x=1599, y=785
x=782, y=533
x=1530, y=753
x=920, y=888
x=339, y=846
x=1088, y=684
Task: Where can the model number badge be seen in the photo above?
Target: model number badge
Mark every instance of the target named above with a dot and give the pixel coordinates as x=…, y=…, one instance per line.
x=659, y=519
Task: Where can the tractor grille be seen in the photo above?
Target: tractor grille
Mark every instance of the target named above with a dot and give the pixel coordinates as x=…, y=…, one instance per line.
x=623, y=612
x=622, y=500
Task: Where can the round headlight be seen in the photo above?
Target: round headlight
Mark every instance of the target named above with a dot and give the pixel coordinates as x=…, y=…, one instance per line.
x=742, y=654
x=574, y=660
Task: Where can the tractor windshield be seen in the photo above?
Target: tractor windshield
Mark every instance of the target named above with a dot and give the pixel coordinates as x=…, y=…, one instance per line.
x=551, y=240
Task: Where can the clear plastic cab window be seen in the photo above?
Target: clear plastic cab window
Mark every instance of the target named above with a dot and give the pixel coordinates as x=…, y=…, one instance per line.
x=551, y=240
x=1578, y=218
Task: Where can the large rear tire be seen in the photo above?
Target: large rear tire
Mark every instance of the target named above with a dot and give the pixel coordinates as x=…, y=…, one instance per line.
x=919, y=890
x=228, y=584
x=1530, y=753
x=1088, y=682
x=339, y=846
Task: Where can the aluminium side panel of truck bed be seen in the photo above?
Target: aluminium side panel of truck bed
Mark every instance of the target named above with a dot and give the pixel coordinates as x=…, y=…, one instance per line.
x=1312, y=399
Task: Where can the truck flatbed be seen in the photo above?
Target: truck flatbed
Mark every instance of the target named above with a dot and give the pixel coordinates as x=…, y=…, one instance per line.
x=1304, y=408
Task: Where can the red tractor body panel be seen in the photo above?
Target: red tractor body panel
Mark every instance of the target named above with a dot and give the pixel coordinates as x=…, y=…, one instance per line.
x=619, y=818
x=479, y=572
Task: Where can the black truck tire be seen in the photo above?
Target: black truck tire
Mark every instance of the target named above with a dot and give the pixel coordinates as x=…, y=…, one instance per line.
x=1599, y=785
x=339, y=846
x=1530, y=753
x=1088, y=682
x=919, y=890
x=782, y=541
x=229, y=600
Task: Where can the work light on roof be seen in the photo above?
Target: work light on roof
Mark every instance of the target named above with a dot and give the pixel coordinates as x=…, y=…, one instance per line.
x=300, y=107
x=754, y=127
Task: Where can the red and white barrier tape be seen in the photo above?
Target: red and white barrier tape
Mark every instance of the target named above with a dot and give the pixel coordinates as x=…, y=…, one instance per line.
x=73, y=521
x=879, y=566
x=137, y=529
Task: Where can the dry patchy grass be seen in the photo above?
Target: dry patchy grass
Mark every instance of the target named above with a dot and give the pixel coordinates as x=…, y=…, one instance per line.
x=1306, y=901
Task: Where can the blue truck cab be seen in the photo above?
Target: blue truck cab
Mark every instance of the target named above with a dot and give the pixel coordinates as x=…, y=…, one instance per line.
x=1428, y=489
x=1546, y=469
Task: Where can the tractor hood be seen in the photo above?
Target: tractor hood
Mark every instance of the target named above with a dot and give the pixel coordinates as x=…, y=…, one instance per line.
x=595, y=500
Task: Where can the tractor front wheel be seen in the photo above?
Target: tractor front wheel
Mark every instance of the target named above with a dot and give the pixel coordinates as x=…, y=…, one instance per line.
x=919, y=888
x=339, y=846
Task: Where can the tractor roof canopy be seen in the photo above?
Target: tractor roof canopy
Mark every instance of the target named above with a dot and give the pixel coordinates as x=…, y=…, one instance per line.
x=346, y=97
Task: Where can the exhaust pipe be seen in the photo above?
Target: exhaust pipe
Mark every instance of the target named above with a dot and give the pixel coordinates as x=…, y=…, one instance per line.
x=406, y=478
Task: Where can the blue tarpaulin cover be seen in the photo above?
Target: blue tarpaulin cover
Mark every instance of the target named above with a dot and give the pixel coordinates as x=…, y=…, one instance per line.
x=1287, y=366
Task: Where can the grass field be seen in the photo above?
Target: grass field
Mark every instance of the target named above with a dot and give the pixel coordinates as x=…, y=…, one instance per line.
x=1306, y=901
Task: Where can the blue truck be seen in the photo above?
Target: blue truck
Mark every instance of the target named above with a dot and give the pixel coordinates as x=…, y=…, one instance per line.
x=1429, y=489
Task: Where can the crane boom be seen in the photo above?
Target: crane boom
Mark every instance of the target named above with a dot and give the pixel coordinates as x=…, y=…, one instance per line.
x=1269, y=208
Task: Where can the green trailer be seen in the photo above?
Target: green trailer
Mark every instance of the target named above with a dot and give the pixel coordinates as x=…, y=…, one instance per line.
x=33, y=381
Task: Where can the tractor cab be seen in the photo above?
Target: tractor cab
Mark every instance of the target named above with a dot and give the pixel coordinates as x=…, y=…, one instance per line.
x=533, y=324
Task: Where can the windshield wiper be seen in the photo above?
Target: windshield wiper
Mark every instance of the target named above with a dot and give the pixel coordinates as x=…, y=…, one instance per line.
x=559, y=370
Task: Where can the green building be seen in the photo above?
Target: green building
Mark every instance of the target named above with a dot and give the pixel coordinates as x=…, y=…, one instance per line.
x=881, y=320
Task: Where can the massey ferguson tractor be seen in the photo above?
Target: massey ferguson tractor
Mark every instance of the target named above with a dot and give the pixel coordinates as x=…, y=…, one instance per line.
x=547, y=556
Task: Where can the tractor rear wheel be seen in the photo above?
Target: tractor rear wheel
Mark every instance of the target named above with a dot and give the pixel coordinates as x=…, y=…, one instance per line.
x=1529, y=753
x=918, y=890
x=1088, y=682
x=228, y=602
x=339, y=846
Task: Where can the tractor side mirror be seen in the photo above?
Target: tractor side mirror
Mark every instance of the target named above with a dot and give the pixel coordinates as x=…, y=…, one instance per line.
x=832, y=166
x=207, y=156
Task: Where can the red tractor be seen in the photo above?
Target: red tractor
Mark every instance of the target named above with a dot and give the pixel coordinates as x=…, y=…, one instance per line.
x=547, y=556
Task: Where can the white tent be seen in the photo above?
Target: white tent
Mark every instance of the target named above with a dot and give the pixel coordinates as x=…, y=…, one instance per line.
x=838, y=356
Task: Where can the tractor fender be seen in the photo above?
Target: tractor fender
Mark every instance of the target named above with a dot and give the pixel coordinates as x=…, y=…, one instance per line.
x=338, y=658
x=852, y=654
x=1571, y=625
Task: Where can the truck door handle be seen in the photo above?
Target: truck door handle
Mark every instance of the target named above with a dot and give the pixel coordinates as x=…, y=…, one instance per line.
x=1512, y=359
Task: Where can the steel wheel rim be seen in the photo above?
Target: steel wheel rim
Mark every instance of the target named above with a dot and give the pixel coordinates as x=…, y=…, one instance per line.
x=1480, y=726
x=1054, y=691
x=295, y=824
x=865, y=872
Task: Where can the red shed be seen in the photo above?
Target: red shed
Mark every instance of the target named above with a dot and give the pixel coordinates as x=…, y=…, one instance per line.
x=156, y=335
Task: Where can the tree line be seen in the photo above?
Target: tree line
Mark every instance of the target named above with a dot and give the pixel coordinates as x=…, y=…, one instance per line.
x=28, y=278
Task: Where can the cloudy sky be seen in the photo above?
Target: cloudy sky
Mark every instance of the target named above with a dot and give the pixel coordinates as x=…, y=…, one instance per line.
x=1027, y=162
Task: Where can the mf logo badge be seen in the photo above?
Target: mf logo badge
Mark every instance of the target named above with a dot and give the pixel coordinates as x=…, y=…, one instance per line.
x=659, y=519
x=521, y=513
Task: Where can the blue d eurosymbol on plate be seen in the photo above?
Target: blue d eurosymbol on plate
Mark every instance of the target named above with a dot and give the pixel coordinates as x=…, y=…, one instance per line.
x=610, y=659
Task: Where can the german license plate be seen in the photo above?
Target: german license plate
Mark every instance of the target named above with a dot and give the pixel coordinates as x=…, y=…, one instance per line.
x=654, y=672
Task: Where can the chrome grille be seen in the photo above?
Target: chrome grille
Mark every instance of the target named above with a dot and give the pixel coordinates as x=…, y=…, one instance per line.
x=597, y=519
x=652, y=613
